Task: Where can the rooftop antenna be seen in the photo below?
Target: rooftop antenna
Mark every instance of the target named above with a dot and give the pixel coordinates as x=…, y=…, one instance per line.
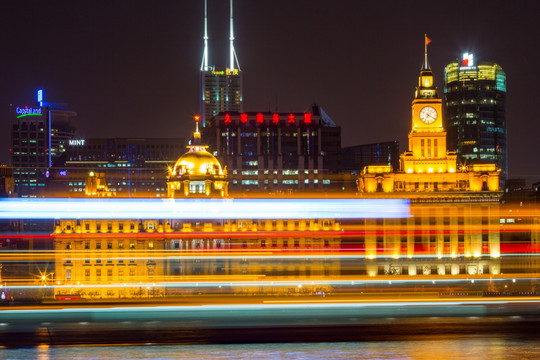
x=204, y=65
x=232, y=52
x=425, y=65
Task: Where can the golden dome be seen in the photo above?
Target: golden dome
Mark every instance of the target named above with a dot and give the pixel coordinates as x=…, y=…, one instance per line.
x=197, y=161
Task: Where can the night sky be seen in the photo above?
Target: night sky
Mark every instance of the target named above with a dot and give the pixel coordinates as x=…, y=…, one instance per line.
x=130, y=68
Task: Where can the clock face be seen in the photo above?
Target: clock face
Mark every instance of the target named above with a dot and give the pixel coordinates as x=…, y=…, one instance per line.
x=428, y=115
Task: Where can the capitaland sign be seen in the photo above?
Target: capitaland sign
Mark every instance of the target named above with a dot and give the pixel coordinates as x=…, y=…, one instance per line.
x=26, y=111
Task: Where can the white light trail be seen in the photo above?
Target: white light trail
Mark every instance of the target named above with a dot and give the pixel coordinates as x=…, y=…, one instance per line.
x=61, y=208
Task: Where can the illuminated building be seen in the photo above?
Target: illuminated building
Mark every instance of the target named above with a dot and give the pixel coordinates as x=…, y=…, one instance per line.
x=39, y=135
x=277, y=152
x=475, y=98
x=428, y=166
x=7, y=182
x=197, y=172
x=221, y=88
x=98, y=258
x=445, y=198
x=124, y=167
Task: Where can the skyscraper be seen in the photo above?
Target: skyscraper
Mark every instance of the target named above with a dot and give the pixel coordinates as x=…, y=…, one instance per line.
x=221, y=87
x=475, y=97
x=39, y=135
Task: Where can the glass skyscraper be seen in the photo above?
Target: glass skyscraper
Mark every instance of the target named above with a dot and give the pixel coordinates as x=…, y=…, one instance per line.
x=475, y=97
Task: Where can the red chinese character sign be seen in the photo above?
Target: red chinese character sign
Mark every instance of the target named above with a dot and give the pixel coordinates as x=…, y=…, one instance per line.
x=243, y=118
x=290, y=119
x=227, y=118
x=307, y=118
x=259, y=118
x=275, y=119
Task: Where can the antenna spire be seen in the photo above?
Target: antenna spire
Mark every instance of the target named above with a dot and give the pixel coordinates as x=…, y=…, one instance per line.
x=231, y=38
x=204, y=65
x=427, y=40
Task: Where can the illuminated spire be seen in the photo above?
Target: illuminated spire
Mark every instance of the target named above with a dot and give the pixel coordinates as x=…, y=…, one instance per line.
x=232, y=52
x=425, y=65
x=204, y=64
x=197, y=134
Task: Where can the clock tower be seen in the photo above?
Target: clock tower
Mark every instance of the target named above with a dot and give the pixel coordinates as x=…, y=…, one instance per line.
x=427, y=139
x=427, y=166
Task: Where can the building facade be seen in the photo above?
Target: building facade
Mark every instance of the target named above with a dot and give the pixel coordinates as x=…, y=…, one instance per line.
x=475, y=98
x=277, y=152
x=39, y=136
x=7, y=182
x=197, y=173
x=221, y=91
x=120, y=167
x=455, y=219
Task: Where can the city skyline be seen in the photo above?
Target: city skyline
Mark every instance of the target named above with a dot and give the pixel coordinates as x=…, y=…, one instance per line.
x=133, y=72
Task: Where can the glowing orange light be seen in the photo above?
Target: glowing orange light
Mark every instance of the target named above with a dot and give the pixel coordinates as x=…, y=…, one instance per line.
x=243, y=118
x=197, y=117
x=275, y=119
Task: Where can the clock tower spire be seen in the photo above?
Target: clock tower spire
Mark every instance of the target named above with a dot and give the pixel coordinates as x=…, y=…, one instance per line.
x=427, y=139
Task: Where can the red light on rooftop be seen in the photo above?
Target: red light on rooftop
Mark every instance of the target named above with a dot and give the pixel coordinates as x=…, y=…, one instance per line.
x=227, y=118
x=307, y=118
x=243, y=118
x=275, y=119
x=291, y=119
x=259, y=118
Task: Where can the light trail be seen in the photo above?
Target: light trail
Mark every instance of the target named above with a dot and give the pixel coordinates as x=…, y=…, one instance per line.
x=434, y=280
x=60, y=208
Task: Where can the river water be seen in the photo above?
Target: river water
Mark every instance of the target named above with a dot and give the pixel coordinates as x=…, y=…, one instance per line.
x=435, y=347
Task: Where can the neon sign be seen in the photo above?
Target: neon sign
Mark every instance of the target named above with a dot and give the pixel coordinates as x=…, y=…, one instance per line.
x=275, y=119
x=307, y=118
x=40, y=96
x=227, y=119
x=243, y=118
x=467, y=60
x=76, y=142
x=259, y=118
x=25, y=111
x=291, y=119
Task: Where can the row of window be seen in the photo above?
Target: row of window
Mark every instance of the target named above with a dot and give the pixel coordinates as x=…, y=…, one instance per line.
x=109, y=245
x=275, y=172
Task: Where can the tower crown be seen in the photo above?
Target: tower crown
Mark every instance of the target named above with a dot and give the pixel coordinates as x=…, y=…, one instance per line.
x=426, y=88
